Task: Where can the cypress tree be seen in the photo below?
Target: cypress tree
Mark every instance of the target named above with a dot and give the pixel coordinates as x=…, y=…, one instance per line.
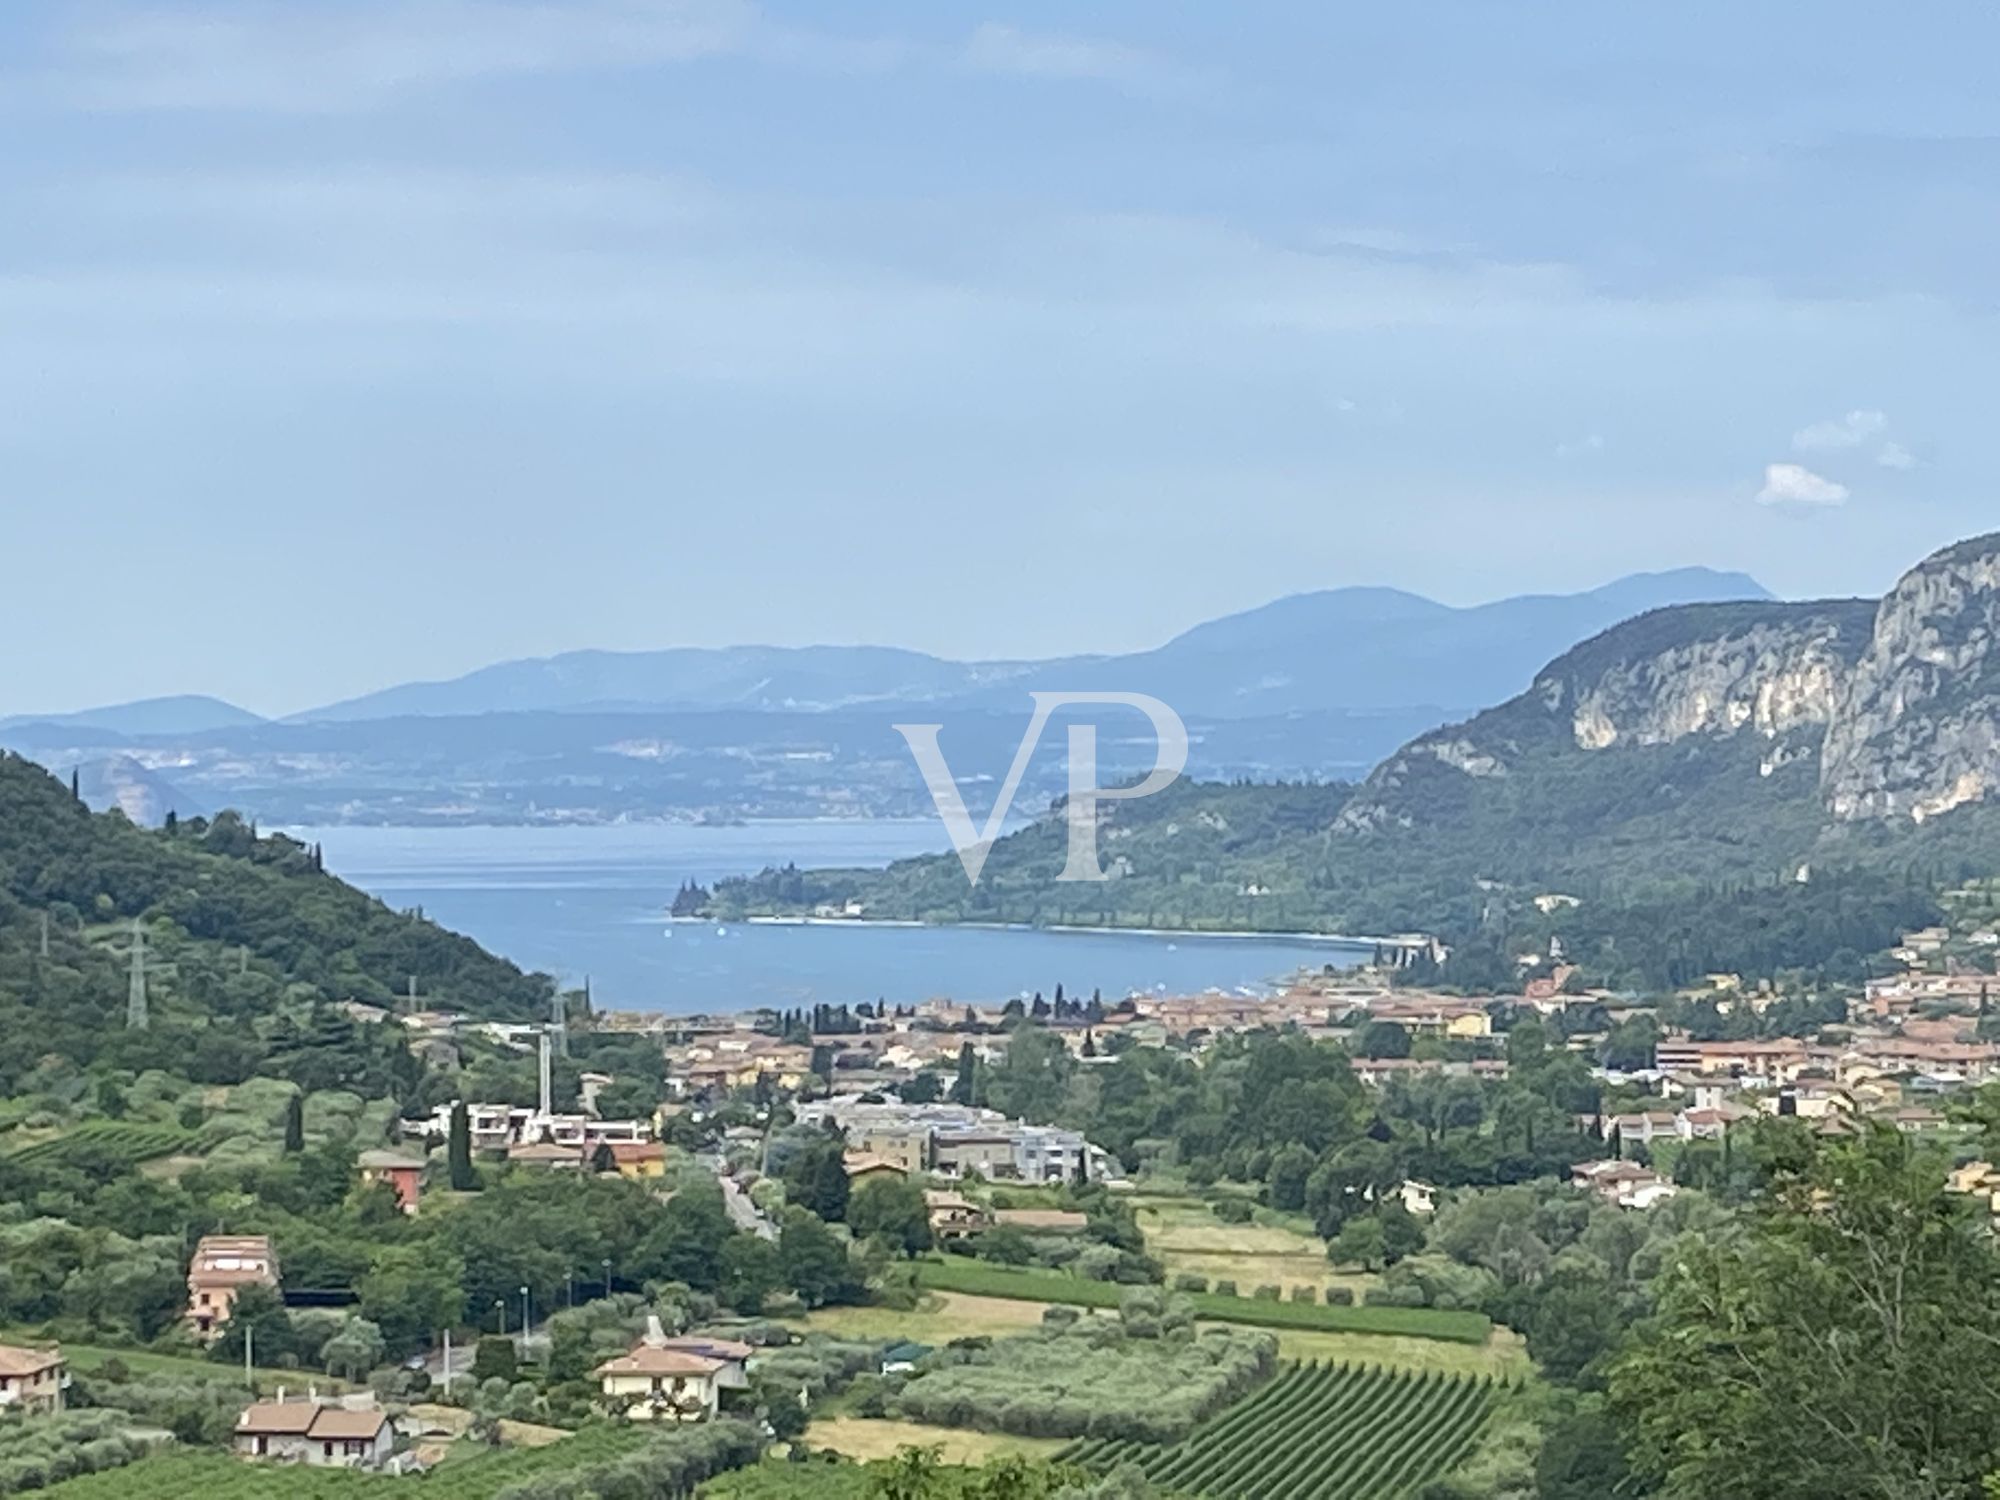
x=295, y=1124
x=458, y=1151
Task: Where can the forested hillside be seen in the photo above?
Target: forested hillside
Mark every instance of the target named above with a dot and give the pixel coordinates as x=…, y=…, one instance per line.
x=1748, y=786
x=243, y=934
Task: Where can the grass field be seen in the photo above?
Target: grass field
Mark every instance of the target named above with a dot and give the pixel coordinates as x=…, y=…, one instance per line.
x=88, y=1358
x=942, y=1317
x=1276, y=1250
x=867, y=1438
x=1317, y=1432
x=957, y=1274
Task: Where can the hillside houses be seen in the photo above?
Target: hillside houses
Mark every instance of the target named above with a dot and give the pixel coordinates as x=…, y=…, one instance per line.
x=221, y=1266
x=950, y=1140
x=320, y=1434
x=672, y=1379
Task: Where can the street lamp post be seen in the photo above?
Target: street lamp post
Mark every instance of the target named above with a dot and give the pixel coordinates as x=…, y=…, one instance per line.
x=527, y=1323
x=500, y=1307
x=607, y=1276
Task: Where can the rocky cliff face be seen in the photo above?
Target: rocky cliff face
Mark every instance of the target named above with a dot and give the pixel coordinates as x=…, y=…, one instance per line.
x=1769, y=670
x=1898, y=703
x=1917, y=729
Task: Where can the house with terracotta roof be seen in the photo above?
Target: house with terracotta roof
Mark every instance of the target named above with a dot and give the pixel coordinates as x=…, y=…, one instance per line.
x=403, y=1173
x=32, y=1381
x=638, y=1160
x=953, y=1215
x=221, y=1266
x=317, y=1433
x=662, y=1379
x=866, y=1166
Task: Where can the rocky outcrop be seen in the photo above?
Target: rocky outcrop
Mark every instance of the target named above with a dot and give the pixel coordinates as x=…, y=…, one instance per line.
x=1766, y=669
x=1894, y=708
x=1775, y=678
x=1917, y=730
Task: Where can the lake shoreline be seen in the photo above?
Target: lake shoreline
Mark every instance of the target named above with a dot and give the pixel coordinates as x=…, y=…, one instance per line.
x=1264, y=935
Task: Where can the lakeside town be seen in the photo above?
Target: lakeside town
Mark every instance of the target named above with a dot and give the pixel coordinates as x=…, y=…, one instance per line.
x=901, y=1094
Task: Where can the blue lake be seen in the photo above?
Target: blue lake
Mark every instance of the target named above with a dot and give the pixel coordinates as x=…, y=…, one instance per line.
x=592, y=901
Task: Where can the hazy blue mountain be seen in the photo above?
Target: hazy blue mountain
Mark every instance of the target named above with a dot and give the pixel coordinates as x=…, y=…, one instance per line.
x=1361, y=650
x=187, y=713
x=1340, y=650
x=755, y=677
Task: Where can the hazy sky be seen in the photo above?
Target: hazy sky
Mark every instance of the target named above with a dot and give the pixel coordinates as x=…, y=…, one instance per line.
x=346, y=343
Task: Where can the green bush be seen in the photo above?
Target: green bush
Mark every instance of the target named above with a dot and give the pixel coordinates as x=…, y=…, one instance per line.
x=1188, y=1282
x=1304, y=1294
x=1225, y=1288
x=1340, y=1296
x=1266, y=1293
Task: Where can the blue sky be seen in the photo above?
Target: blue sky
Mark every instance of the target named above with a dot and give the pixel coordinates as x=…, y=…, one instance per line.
x=347, y=343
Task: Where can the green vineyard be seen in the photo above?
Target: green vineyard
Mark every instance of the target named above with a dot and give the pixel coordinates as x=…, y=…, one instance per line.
x=1317, y=1432
x=109, y=1143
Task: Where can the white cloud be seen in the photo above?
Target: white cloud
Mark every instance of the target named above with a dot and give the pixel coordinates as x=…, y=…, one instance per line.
x=1795, y=484
x=261, y=55
x=1592, y=443
x=997, y=48
x=1850, y=431
x=1860, y=428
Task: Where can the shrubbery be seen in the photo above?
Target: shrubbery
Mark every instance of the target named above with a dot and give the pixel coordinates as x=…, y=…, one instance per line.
x=1094, y=1380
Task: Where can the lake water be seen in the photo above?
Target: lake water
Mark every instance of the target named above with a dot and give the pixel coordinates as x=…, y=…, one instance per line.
x=591, y=901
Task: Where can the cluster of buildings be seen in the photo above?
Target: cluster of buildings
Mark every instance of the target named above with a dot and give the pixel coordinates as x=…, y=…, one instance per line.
x=955, y=1140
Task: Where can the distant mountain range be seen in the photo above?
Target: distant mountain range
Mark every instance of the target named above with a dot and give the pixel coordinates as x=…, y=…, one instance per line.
x=1339, y=650
x=1314, y=686
x=190, y=713
x=1715, y=753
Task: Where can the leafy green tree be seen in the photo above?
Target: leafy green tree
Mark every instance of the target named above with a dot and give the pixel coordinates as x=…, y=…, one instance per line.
x=1836, y=1348
x=354, y=1350
x=257, y=1315
x=750, y=1272
x=893, y=1211
x=815, y=1177
x=813, y=1261
x=495, y=1359
x=413, y=1293
x=1382, y=1039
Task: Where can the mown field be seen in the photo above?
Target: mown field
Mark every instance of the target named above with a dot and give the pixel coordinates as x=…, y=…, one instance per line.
x=1272, y=1250
x=868, y=1438
x=1317, y=1432
x=978, y=1278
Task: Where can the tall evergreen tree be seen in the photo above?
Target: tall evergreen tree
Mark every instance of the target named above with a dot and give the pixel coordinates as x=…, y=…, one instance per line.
x=458, y=1151
x=964, y=1084
x=295, y=1124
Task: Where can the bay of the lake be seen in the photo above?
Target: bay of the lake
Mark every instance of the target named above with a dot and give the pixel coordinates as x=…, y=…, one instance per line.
x=591, y=901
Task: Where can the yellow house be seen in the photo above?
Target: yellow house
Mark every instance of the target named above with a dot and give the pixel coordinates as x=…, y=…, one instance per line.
x=637, y=1160
x=863, y=1166
x=1470, y=1023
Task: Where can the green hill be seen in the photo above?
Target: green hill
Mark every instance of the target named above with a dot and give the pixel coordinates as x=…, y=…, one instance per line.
x=1747, y=786
x=244, y=935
